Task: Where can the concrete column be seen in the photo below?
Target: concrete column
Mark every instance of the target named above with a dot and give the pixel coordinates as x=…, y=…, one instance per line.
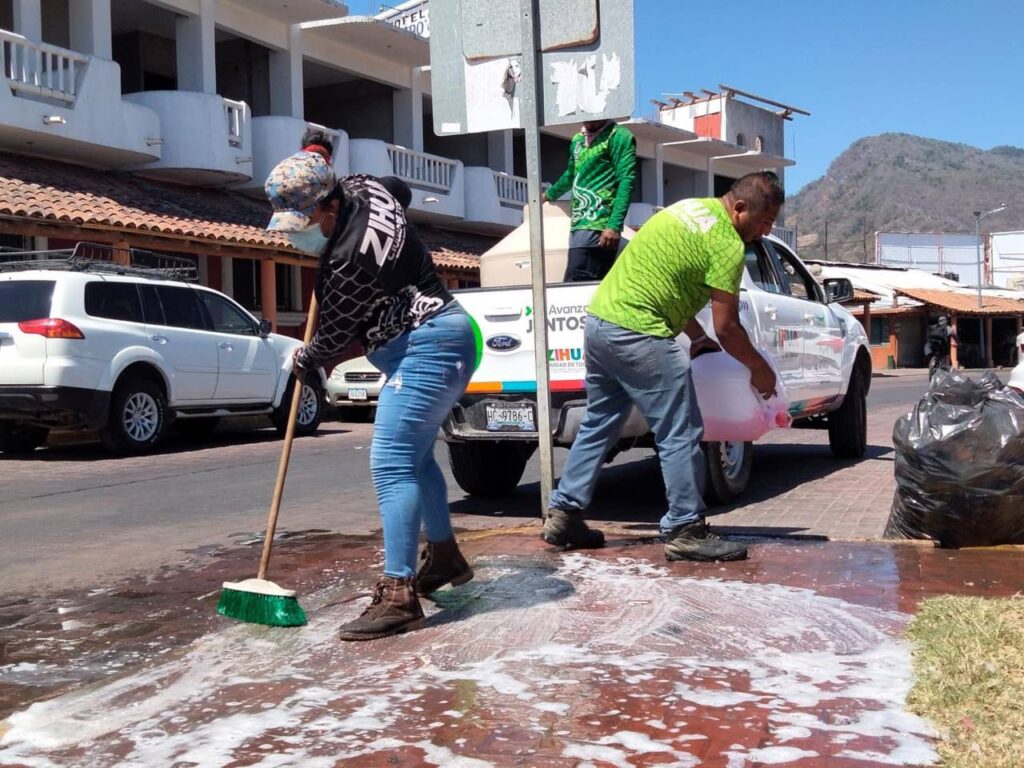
x=90, y=27
x=197, y=50
x=28, y=19
x=286, y=95
x=867, y=322
x=408, y=113
x=711, y=177
x=227, y=276
x=268, y=292
x=987, y=354
x=296, y=297
x=659, y=174
x=499, y=151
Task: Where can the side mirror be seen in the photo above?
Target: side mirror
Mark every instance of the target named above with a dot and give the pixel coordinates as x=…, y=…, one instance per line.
x=837, y=289
x=265, y=328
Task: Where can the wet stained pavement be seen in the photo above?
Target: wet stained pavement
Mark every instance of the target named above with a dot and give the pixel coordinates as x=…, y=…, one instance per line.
x=609, y=658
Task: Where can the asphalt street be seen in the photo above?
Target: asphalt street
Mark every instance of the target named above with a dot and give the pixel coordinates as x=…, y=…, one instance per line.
x=73, y=516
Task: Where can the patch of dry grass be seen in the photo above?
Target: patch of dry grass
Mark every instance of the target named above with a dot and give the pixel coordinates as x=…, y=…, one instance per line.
x=969, y=668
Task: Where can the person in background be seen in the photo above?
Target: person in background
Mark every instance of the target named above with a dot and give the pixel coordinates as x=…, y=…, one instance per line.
x=684, y=255
x=376, y=282
x=940, y=337
x=601, y=174
x=1017, y=374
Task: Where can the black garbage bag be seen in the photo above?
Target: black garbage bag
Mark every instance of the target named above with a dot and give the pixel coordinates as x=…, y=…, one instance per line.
x=960, y=464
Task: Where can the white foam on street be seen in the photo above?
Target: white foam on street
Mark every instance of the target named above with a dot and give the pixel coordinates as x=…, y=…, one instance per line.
x=509, y=649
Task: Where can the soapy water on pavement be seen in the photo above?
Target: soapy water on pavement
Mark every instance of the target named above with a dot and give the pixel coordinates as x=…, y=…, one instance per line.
x=616, y=662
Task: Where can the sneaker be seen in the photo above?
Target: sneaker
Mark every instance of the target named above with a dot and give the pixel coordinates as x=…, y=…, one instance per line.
x=394, y=609
x=442, y=564
x=566, y=529
x=695, y=541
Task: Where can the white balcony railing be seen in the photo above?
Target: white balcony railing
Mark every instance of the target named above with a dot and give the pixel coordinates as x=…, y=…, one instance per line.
x=235, y=111
x=421, y=169
x=511, y=189
x=40, y=70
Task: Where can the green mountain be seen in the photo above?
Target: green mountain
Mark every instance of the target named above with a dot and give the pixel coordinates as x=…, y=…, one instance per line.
x=901, y=183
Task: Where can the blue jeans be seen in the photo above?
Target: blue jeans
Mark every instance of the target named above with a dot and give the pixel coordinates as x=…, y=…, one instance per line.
x=625, y=367
x=428, y=369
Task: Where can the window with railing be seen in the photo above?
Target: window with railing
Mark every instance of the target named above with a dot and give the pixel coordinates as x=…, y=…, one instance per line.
x=235, y=113
x=511, y=189
x=39, y=69
x=421, y=169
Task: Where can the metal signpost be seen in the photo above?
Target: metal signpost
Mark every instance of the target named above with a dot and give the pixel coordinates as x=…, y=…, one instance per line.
x=523, y=65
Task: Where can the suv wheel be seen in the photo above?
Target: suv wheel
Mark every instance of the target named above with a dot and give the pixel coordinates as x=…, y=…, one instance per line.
x=21, y=438
x=311, y=408
x=728, y=470
x=848, y=426
x=137, y=417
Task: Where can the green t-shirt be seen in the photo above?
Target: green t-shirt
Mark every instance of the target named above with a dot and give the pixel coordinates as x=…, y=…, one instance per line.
x=601, y=176
x=664, y=276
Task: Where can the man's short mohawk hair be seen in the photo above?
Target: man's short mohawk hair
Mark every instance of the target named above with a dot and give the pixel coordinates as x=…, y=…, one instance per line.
x=760, y=190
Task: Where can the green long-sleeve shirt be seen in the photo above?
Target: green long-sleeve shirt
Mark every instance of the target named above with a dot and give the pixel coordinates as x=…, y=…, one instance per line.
x=602, y=177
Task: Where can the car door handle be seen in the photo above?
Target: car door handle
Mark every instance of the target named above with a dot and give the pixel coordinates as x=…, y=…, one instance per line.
x=159, y=339
x=810, y=316
x=225, y=345
x=771, y=311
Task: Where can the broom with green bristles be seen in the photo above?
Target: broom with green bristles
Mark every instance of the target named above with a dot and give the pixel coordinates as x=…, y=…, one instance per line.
x=259, y=601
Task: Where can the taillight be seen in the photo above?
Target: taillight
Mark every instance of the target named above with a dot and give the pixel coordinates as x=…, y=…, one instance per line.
x=51, y=328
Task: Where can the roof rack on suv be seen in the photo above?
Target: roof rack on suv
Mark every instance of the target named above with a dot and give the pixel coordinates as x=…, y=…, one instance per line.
x=97, y=257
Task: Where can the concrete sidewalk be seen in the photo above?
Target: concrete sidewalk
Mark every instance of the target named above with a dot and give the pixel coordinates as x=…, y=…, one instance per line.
x=608, y=658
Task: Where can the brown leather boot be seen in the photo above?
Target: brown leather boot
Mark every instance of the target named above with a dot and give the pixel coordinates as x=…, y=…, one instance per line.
x=442, y=564
x=394, y=609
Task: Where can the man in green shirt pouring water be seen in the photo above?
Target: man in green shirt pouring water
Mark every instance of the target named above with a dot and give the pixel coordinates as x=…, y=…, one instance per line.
x=683, y=256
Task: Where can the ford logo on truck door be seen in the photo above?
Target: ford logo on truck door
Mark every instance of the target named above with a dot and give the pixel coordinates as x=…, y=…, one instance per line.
x=503, y=342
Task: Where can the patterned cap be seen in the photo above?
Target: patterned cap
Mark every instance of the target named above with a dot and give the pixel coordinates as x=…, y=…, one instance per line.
x=294, y=188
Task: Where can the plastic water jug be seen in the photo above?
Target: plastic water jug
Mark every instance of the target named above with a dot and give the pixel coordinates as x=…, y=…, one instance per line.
x=730, y=406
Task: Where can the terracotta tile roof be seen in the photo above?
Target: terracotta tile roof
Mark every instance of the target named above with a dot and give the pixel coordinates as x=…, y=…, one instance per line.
x=965, y=303
x=456, y=250
x=55, y=191
x=49, y=190
x=861, y=297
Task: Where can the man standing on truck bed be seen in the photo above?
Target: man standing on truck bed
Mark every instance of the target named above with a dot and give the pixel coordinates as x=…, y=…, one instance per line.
x=684, y=255
x=601, y=174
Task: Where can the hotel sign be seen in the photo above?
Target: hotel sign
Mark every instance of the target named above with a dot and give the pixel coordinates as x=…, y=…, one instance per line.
x=412, y=17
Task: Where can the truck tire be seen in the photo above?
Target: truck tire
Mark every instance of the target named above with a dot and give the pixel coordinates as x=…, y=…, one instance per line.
x=138, y=416
x=728, y=471
x=21, y=438
x=848, y=426
x=311, y=408
x=491, y=469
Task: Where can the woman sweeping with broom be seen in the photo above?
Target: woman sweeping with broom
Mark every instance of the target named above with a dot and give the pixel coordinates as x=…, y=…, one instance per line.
x=376, y=282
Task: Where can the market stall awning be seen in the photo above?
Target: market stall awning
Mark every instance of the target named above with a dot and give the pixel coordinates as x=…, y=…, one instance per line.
x=965, y=302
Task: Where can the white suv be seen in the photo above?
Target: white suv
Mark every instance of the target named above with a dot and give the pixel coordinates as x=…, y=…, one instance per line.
x=128, y=351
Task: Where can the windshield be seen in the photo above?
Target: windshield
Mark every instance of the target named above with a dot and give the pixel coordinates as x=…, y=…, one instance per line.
x=25, y=300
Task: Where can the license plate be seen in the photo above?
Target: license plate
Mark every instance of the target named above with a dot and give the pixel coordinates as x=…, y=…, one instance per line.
x=510, y=418
x=357, y=394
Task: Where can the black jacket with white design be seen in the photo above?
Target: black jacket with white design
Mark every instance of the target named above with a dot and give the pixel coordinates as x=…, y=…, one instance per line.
x=376, y=279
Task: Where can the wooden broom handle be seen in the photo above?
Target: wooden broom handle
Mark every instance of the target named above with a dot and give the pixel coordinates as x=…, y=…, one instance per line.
x=286, y=449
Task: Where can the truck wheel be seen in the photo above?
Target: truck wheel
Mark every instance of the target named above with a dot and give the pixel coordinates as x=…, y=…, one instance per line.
x=137, y=417
x=21, y=438
x=848, y=426
x=728, y=471
x=490, y=469
x=311, y=408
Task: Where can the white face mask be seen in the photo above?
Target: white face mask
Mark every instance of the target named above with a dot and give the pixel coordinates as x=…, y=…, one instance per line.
x=309, y=239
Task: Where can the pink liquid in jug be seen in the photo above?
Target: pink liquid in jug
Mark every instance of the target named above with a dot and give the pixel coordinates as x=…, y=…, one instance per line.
x=732, y=410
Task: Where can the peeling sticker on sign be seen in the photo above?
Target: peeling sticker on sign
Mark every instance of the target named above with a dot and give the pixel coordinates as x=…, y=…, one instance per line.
x=582, y=86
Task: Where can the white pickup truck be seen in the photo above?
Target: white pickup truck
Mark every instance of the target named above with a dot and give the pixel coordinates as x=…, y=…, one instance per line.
x=820, y=349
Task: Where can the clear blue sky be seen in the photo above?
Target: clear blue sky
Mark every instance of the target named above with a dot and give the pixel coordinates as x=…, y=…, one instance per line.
x=945, y=69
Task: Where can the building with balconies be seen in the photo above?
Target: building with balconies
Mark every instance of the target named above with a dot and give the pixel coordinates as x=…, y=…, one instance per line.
x=163, y=118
